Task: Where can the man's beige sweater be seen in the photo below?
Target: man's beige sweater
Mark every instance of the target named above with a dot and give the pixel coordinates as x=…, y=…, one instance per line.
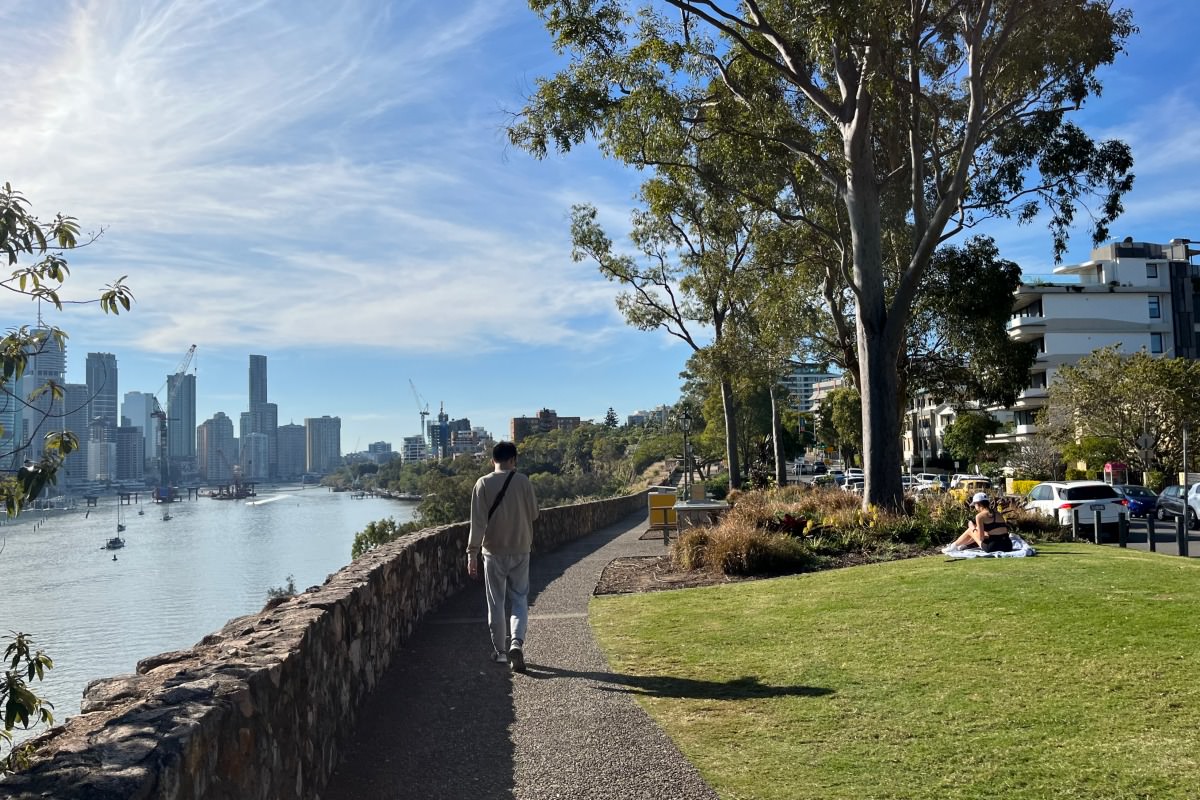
x=510, y=531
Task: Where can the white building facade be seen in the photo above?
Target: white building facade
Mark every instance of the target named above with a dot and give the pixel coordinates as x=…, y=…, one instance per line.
x=802, y=383
x=1137, y=295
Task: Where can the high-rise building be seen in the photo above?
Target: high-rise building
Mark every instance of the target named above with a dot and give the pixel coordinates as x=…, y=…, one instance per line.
x=292, y=451
x=262, y=417
x=10, y=426
x=215, y=449
x=101, y=369
x=413, y=449
x=258, y=381
x=253, y=449
x=323, y=443
x=138, y=408
x=181, y=417
x=801, y=381
x=75, y=405
x=47, y=361
x=131, y=453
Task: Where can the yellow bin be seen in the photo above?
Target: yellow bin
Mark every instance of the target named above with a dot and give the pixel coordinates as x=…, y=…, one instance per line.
x=662, y=508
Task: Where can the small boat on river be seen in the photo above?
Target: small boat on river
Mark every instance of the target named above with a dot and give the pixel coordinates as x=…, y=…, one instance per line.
x=116, y=542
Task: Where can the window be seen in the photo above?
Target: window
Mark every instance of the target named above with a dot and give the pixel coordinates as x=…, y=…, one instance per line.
x=1093, y=492
x=1156, y=344
x=1152, y=271
x=1155, y=310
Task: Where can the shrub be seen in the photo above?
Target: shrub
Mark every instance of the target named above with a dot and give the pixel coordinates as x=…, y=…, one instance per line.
x=1076, y=474
x=380, y=532
x=689, y=548
x=795, y=528
x=1155, y=480
x=742, y=549
x=717, y=486
x=1023, y=487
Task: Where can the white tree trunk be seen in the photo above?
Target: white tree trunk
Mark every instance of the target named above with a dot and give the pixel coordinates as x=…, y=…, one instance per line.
x=878, y=343
x=731, y=434
x=781, y=476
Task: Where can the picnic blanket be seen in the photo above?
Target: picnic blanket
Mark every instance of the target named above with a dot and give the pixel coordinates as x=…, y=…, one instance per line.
x=1021, y=549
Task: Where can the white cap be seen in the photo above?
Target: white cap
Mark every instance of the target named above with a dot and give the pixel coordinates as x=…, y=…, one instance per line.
x=980, y=497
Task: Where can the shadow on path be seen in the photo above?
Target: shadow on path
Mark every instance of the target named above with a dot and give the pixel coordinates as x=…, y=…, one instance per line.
x=745, y=688
x=437, y=725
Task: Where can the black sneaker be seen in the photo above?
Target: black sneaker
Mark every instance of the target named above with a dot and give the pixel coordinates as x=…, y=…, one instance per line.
x=516, y=656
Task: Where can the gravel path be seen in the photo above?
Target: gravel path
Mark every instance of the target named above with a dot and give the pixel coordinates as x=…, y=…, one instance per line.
x=447, y=723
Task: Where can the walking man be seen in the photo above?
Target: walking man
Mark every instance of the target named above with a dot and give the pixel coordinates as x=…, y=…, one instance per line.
x=503, y=509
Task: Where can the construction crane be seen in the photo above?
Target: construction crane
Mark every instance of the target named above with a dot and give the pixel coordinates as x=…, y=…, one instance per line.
x=164, y=490
x=423, y=410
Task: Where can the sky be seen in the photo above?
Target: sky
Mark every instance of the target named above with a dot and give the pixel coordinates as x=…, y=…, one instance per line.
x=334, y=189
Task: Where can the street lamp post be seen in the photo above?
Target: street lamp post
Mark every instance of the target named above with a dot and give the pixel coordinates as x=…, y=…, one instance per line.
x=685, y=425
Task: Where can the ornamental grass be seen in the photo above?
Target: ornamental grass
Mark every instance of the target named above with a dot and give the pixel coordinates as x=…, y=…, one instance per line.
x=800, y=529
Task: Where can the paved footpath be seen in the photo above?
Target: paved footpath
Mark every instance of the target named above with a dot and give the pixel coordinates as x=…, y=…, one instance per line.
x=447, y=723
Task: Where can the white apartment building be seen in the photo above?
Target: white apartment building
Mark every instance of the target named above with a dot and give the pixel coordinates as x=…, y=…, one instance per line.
x=801, y=383
x=1133, y=294
x=414, y=449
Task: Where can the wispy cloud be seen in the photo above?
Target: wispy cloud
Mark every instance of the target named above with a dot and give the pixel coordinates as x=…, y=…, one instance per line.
x=287, y=173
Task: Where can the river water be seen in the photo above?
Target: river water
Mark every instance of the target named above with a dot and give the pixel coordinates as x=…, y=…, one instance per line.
x=175, y=580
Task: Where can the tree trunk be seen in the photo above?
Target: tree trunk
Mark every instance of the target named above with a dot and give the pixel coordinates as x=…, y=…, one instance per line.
x=781, y=476
x=731, y=434
x=882, y=456
x=878, y=342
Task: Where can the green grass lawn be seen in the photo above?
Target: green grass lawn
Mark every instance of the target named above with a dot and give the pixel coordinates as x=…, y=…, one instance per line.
x=1075, y=674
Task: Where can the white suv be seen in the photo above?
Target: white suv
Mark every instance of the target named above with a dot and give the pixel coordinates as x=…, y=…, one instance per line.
x=1059, y=499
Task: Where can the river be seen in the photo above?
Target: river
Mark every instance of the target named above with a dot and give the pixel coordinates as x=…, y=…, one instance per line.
x=175, y=580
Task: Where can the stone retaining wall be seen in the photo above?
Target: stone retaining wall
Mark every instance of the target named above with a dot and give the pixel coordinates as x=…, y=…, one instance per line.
x=260, y=708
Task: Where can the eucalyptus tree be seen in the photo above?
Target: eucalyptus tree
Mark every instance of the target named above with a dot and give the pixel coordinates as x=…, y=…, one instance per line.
x=893, y=127
x=693, y=268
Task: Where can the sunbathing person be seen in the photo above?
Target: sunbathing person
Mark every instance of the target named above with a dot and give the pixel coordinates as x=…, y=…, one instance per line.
x=988, y=531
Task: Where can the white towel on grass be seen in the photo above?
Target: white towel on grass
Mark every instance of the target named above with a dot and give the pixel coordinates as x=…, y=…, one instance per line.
x=1021, y=549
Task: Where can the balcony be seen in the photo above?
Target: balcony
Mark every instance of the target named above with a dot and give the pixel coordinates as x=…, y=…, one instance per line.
x=1026, y=328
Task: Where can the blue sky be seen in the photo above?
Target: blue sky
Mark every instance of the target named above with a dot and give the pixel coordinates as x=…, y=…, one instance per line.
x=335, y=191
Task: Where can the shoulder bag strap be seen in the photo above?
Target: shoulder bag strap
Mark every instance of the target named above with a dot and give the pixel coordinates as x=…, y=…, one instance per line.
x=500, y=496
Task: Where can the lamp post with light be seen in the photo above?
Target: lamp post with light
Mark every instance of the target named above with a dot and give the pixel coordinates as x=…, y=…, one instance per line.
x=685, y=425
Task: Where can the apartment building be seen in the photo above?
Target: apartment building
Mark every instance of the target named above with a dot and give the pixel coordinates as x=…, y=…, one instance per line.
x=1133, y=294
x=546, y=420
x=802, y=383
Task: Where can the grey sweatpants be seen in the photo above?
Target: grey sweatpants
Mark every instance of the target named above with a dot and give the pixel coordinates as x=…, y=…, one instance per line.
x=506, y=576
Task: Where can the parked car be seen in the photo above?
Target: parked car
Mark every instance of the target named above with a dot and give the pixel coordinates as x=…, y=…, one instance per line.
x=1059, y=499
x=854, y=485
x=854, y=472
x=967, y=487
x=819, y=468
x=957, y=479
x=1142, y=501
x=1174, y=502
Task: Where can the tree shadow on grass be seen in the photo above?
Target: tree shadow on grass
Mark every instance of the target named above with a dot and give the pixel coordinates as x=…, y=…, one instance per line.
x=744, y=688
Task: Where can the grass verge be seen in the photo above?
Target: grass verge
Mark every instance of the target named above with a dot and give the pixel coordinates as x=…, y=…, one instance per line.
x=1069, y=675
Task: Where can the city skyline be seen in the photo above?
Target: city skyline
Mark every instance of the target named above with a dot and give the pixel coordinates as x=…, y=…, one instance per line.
x=366, y=223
